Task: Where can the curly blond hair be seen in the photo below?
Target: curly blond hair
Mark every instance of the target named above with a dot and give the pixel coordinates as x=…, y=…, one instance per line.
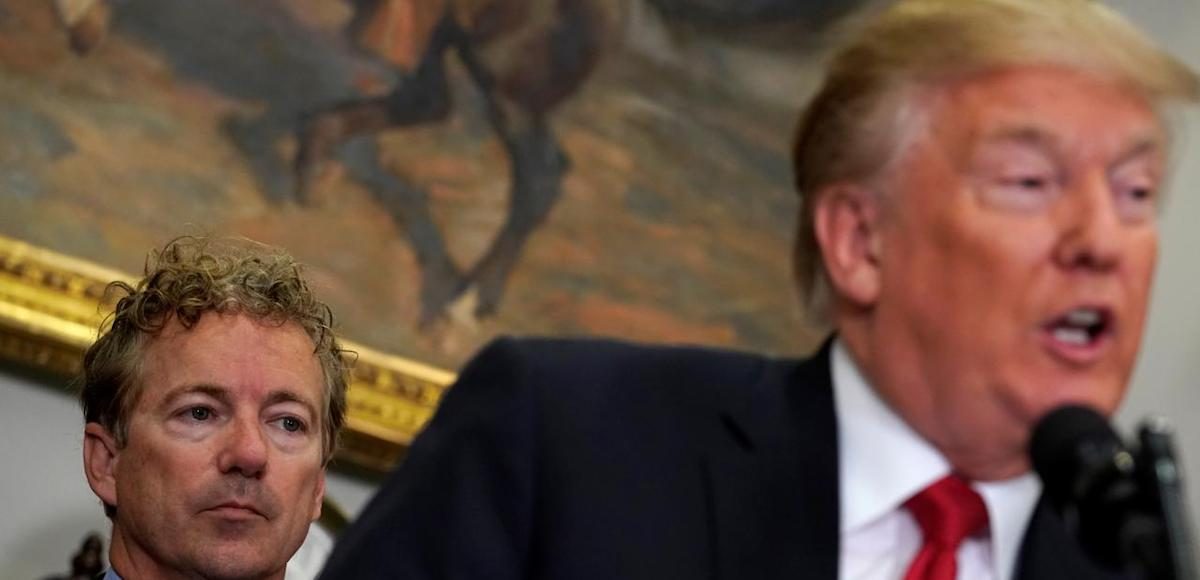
x=187, y=278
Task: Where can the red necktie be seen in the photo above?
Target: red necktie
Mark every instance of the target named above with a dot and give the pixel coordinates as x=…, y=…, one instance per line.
x=947, y=511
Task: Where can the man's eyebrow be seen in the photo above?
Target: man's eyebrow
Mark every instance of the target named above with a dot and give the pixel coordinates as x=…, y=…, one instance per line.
x=286, y=396
x=1141, y=144
x=221, y=394
x=1024, y=135
x=1144, y=145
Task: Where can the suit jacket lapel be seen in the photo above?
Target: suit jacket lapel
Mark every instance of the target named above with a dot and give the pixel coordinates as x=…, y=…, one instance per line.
x=773, y=476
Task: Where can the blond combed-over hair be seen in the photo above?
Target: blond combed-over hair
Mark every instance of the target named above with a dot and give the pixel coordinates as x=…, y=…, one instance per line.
x=857, y=123
x=188, y=278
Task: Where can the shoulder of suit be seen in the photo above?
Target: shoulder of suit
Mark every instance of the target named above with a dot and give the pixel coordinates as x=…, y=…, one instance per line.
x=610, y=348
x=610, y=360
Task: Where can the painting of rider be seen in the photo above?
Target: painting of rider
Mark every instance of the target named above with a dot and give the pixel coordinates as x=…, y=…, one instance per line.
x=449, y=170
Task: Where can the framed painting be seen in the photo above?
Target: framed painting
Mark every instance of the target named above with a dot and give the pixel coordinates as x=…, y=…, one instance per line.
x=448, y=170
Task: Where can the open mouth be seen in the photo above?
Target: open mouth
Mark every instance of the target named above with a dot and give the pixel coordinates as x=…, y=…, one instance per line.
x=1081, y=328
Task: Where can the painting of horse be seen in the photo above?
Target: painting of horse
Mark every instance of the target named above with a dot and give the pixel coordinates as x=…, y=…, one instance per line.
x=450, y=170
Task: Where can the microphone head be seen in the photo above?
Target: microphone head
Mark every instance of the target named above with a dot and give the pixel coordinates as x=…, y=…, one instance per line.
x=1074, y=449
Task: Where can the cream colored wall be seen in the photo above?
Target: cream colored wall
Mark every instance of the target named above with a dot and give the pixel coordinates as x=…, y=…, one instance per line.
x=47, y=506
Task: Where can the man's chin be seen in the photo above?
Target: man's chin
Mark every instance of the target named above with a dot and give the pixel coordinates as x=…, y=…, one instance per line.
x=243, y=561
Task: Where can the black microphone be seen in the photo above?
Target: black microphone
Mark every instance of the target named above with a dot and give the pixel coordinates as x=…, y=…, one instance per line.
x=1123, y=505
x=1088, y=475
x=1163, y=475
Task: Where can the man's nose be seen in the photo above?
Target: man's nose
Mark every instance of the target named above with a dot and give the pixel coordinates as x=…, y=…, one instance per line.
x=244, y=448
x=1092, y=228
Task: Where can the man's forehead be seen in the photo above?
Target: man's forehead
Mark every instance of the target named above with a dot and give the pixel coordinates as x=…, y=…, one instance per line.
x=215, y=324
x=235, y=355
x=1048, y=107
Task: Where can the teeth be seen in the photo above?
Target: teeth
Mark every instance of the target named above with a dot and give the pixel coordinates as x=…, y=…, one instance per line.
x=1083, y=317
x=1072, y=336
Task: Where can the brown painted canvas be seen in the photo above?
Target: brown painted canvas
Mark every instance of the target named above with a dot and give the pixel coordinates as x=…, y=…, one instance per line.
x=559, y=167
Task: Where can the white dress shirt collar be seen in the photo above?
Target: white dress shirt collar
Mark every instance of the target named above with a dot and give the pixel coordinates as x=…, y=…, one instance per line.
x=883, y=462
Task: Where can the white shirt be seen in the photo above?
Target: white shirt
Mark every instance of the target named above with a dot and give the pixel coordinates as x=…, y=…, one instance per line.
x=883, y=462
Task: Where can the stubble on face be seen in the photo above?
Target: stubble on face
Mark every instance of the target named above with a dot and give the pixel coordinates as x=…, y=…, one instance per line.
x=216, y=480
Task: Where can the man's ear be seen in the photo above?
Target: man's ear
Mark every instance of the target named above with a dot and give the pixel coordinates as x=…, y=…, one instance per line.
x=319, y=496
x=847, y=226
x=100, y=455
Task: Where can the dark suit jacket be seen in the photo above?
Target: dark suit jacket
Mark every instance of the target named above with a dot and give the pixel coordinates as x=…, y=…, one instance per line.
x=590, y=459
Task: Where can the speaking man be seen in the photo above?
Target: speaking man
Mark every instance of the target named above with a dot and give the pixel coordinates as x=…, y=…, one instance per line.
x=213, y=400
x=981, y=181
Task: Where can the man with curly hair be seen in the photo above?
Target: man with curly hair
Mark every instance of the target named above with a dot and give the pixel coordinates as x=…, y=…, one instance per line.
x=213, y=400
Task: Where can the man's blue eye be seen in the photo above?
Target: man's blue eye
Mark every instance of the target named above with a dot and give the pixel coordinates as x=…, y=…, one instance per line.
x=201, y=413
x=292, y=424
